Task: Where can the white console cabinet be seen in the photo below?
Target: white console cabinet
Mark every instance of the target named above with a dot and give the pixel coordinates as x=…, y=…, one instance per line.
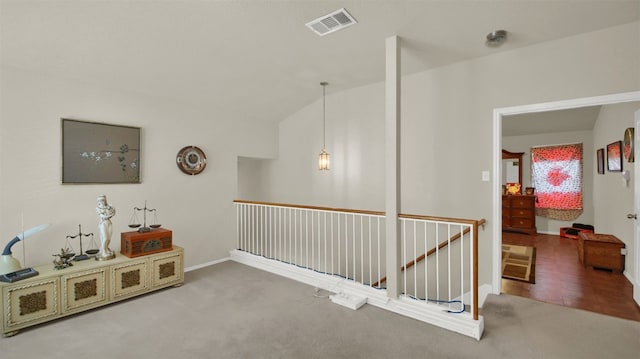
x=86, y=285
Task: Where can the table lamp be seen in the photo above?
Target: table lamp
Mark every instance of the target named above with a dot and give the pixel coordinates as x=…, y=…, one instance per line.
x=9, y=264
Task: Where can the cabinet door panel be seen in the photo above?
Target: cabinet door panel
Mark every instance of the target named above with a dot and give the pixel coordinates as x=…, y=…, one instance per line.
x=129, y=278
x=86, y=289
x=166, y=270
x=31, y=302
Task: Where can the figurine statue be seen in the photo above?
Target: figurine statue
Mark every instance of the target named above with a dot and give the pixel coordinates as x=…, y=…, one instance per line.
x=64, y=259
x=105, y=212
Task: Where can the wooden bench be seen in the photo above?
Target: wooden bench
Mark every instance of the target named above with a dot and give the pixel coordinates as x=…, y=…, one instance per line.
x=601, y=251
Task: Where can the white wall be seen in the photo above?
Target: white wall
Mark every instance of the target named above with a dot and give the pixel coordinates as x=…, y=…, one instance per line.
x=198, y=209
x=524, y=144
x=446, y=128
x=612, y=200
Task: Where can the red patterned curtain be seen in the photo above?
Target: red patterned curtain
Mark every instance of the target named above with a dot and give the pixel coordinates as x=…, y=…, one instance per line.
x=556, y=175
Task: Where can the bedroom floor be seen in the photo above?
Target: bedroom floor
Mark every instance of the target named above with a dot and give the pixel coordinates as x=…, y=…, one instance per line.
x=562, y=280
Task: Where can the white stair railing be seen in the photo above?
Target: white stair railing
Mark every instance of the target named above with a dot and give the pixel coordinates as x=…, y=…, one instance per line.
x=339, y=242
x=439, y=257
x=344, y=251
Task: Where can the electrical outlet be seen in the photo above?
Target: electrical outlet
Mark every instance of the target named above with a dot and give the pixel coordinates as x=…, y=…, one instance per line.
x=485, y=176
x=623, y=251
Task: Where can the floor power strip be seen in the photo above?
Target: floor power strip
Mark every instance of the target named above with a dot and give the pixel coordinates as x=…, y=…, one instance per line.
x=349, y=301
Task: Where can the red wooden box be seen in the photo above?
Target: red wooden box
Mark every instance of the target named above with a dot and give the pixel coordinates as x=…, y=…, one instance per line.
x=136, y=244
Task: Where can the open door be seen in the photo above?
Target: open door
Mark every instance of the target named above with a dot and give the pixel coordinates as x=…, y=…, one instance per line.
x=636, y=210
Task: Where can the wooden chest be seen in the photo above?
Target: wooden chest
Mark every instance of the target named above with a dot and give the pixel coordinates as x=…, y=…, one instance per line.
x=135, y=244
x=600, y=251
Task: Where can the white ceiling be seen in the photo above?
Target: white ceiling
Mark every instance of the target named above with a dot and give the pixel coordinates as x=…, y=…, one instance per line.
x=255, y=59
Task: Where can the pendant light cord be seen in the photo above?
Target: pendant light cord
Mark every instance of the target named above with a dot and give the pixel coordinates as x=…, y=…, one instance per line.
x=324, y=117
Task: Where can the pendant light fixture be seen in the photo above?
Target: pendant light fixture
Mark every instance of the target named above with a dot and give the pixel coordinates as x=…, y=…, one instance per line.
x=323, y=160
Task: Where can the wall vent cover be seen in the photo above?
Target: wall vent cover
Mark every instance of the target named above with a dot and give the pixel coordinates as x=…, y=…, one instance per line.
x=333, y=22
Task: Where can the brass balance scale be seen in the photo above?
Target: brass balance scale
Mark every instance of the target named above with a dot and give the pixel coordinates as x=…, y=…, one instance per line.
x=135, y=222
x=67, y=254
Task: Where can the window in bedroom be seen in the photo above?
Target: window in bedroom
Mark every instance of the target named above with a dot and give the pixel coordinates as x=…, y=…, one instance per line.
x=556, y=175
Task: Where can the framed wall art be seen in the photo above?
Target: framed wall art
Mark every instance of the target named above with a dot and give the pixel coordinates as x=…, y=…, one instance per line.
x=614, y=156
x=600, y=159
x=99, y=153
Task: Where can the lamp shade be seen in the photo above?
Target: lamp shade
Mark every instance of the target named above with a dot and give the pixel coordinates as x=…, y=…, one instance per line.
x=324, y=160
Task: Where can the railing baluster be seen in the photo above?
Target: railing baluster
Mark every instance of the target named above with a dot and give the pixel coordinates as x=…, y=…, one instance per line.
x=404, y=255
x=415, y=255
x=332, y=250
x=437, y=262
x=462, y=265
x=353, y=240
x=379, y=261
x=449, y=262
x=426, y=263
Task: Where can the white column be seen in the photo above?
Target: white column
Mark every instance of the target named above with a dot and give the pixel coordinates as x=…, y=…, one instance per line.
x=392, y=164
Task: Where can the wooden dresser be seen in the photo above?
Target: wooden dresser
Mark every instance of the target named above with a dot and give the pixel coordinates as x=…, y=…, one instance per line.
x=519, y=213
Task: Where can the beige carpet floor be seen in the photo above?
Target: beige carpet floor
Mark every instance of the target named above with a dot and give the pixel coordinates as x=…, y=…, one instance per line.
x=233, y=311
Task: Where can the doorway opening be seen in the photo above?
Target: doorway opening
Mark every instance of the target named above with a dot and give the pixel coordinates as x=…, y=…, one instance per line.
x=499, y=114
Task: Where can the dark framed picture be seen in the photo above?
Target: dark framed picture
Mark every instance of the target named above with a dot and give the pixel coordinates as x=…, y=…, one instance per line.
x=99, y=153
x=600, y=159
x=614, y=157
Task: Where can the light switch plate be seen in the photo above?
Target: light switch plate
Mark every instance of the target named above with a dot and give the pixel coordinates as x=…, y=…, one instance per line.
x=485, y=176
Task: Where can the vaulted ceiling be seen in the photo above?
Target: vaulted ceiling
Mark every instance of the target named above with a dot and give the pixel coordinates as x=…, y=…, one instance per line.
x=255, y=59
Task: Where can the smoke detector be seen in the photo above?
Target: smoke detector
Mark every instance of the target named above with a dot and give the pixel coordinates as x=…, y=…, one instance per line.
x=333, y=22
x=496, y=38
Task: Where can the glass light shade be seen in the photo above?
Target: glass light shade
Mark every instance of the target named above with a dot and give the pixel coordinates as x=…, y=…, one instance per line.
x=323, y=161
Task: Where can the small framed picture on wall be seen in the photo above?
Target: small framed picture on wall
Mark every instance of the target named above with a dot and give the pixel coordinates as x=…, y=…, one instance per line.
x=600, y=159
x=614, y=157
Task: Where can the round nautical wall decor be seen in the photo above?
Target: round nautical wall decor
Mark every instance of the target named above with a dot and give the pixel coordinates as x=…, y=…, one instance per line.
x=191, y=160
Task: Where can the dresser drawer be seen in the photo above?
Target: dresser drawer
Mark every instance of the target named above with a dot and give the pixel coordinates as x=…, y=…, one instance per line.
x=521, y=222
x=522, y=202
x=522, y=212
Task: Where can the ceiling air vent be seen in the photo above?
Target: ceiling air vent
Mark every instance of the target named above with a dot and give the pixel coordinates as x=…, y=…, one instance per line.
x=333, y=22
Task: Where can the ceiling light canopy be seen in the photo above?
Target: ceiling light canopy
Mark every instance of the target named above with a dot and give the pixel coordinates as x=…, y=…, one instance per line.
x=333, y=22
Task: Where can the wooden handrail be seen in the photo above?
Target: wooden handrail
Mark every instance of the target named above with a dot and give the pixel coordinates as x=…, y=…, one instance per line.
x=345, y=210
x=434, y=249
x=441, y=219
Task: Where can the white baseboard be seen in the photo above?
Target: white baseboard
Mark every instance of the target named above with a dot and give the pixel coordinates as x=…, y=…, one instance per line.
x=434, y=314
x=198, y=266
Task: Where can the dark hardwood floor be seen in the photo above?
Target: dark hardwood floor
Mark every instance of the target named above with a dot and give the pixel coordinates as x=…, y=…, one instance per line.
x=561, y=279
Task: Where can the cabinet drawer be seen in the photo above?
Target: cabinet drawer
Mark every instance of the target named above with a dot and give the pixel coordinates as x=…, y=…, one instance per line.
x=129, y=278
x=84, y=290
x=521, y=222
x=522, y=202
x=521, y=213
x=30, y=303
x=506, y=202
